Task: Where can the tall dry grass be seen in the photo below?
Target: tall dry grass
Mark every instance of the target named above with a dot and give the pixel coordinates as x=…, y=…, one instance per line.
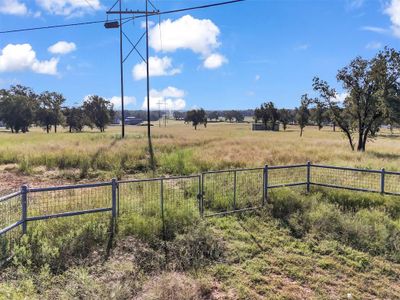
x=181, y=150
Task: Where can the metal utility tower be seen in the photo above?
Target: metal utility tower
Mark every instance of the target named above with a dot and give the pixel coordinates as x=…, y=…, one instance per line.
x=135, y=14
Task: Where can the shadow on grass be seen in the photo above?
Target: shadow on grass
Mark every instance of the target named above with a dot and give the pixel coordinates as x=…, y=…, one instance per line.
x=384, y=155
x=252, y=236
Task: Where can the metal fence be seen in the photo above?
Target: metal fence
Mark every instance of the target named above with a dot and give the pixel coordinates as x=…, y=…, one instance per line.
x=155, y=203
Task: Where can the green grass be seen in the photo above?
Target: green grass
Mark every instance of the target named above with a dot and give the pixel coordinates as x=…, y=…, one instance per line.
x=298, y=247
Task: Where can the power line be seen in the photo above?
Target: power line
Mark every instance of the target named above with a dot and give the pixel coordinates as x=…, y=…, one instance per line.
x=61, y=25
x=124, y=19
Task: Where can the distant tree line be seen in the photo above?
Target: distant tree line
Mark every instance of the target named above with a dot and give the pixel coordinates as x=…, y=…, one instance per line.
x=21, y=108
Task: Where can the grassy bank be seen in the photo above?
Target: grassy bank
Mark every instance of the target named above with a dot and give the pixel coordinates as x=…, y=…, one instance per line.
x=326, y=245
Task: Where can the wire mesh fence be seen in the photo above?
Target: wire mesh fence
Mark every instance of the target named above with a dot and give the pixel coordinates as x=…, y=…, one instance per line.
x=10, y=217
x=159, y=207
x=46, y=202
x=279, y=176
x=232, y=190
x=151, y=206
x=347, y=178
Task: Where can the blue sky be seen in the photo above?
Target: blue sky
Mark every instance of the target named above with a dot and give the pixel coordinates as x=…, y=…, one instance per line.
x=230, y=57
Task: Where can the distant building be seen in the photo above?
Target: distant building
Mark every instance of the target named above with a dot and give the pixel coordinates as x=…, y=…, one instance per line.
x=133, y=121
x=261, y=126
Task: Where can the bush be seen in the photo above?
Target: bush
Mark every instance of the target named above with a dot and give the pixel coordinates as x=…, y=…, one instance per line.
x=369, y=229
x=193, y=249
x=57, y=244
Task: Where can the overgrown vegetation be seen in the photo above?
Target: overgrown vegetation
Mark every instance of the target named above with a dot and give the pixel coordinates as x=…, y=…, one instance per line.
x=326, y=244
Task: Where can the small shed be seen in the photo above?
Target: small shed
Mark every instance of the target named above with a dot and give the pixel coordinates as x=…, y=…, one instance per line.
x=263, y=127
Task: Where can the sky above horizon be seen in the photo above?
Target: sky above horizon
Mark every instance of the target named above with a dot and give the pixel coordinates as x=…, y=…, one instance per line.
x=230, y=57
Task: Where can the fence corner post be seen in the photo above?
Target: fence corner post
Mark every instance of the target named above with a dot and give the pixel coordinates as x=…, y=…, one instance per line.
x=382, y=180
x=24, y=206
x=308, y=176
x=114, y=185
x=265, y=185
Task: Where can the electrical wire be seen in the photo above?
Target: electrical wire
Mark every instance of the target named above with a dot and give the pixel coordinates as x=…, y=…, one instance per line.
x=126, y=18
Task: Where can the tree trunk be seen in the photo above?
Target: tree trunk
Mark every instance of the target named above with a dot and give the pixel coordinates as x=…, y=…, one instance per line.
x=334, y=127
x=47, y=128
x=55, y=128
x=301, y=131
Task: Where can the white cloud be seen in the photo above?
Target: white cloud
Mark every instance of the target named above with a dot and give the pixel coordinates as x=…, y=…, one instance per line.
x=374, y=29
x=20, y=57
x=157, y=67
x=393, y=10
x=13, y=7
x=62, y=47
x=302, y=47
x=373, y=45
x=340, y=97
x=257, y=77
x=69, y=8
x=197, y=35
x=354, y=4
x=143, y=24
x=170, y=98
x=128, y=100
x=200, y=36
x=214, y=61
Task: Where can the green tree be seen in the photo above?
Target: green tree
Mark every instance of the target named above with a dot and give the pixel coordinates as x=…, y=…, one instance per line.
x=196, y=117
x=373, y=89
x=76, y=119
x=284, y=117
x=303, y=113
x=99, y=111
x=318, y=114
x=267, y=113
x=214, y=115
x=18, y=108
x=50, y=110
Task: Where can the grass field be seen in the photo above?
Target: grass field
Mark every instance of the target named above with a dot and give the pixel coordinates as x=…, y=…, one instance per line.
x=323, y=245
x=180, y=150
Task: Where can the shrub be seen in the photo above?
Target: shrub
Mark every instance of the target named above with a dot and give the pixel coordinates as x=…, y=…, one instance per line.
x=57, y=244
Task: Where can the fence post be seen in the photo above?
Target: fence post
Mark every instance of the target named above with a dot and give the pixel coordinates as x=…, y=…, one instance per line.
x=24, y=206
x=265, y=185
x=202, y=196
x=114, y=185
x=162, y=206
x=234, y=189
x=308, y=176
x=383, y=181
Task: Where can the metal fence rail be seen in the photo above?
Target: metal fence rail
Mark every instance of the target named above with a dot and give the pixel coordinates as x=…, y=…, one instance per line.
x=156, y=203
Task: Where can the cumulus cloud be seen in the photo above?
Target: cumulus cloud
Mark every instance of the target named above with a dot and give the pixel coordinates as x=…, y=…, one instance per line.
x=197, y=35
x=170, y=98
x=62, y=47
x=69, y=7
x=13, y=7
x=393, y=11
x=128, y=100
x=157, y=67
x=21, y=57
x=200, y=36
x=214, y=61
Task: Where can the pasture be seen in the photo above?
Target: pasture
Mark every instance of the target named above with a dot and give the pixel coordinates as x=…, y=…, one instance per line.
x=323, y=245
x=180, y=150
